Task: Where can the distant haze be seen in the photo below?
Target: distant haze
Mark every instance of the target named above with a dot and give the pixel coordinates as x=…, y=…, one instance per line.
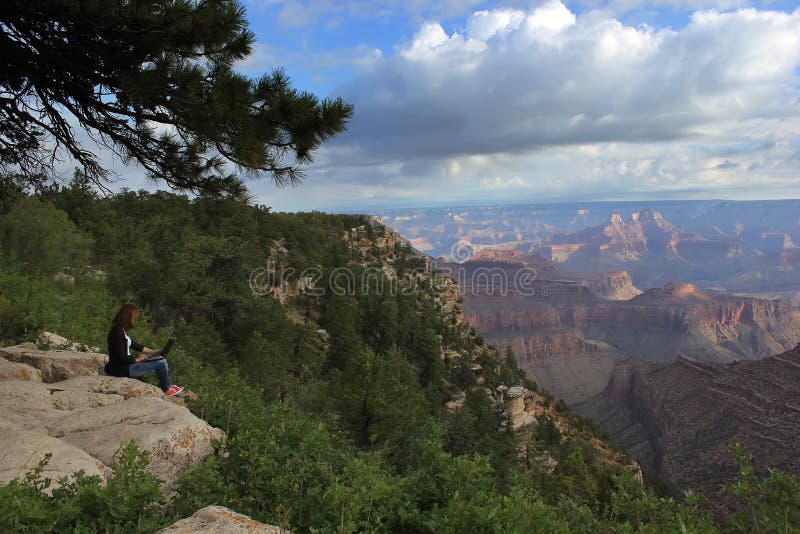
x=721, y=245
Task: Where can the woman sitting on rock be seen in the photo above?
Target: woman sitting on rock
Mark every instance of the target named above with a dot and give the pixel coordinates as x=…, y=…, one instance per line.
x=120, y=361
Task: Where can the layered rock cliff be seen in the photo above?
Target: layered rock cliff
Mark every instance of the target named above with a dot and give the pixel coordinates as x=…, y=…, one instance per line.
x=680, y=319
x=680, y=419
x=550, y=320
x=616, y=285
x=658, y=324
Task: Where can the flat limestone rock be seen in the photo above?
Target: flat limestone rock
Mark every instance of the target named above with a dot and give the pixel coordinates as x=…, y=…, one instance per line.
x=26, y=405
x=55, y=341
x=56, y=365
x=16, y=461
x=220, y=520
x=127, y=388
x=173, y=437
x=85, y=419
x=18, y=371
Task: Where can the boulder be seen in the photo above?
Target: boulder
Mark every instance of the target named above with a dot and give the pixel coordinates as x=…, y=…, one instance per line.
x=83, y=420
x=54, y=341
x=56, y=365
x=220, y=520
x=16, y=461
x=173, y=437
x=18, y=371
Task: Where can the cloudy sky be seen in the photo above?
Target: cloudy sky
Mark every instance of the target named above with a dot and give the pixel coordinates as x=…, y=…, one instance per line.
x=470, y=102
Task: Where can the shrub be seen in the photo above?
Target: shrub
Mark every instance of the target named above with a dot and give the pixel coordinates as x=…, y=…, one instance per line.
x=128, y=502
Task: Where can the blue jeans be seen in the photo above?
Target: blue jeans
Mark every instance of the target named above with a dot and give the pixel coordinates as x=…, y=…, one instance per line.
x=159, y=366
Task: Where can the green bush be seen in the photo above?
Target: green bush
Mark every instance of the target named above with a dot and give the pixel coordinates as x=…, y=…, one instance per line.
x=130, y=501
x=42, y=238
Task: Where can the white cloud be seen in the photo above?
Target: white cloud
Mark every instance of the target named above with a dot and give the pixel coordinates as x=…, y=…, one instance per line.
x=545, y=104
x=526, y=103
x=511, y=84
x=484, y=25
x=552, y=16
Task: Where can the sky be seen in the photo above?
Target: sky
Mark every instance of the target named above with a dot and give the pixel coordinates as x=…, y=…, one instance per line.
x=472, y=102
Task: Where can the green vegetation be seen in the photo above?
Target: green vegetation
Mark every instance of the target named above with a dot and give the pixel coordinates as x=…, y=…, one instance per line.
x=128, y=502
x=336, y=432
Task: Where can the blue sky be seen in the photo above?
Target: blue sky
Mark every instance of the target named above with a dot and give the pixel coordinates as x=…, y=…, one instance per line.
x=546, y=100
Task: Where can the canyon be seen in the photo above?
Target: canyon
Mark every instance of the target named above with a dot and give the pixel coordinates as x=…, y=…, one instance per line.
x=680, y=419
x=674, y=326
x=566, y=329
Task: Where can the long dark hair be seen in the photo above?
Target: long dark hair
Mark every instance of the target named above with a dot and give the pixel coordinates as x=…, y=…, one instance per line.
x=125, y=316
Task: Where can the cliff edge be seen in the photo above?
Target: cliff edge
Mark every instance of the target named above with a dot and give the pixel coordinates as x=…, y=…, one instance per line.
x=55, y=401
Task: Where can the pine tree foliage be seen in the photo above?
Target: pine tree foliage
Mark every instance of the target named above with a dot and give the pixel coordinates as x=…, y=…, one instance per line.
x=154, y=81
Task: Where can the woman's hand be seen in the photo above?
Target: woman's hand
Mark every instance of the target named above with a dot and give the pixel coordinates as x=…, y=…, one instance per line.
x=140, y=357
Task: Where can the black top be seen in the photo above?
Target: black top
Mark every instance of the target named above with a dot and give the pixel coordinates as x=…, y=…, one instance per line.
x=119, y=361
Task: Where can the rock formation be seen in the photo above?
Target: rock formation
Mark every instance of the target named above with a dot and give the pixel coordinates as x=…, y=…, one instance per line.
x=55, y=401
x=658, y=324
x=515, y=414
x=220, y=520
x=739, y=246
x=55, y=365
x=680, y=419
x=566, y=336
x=616, y=285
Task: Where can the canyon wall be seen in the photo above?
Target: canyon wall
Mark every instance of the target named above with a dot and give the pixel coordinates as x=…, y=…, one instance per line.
x=680, y=419
x=548, y=322
x=657, y=325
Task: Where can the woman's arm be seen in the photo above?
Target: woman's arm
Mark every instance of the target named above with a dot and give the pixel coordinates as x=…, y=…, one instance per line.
x=143, y=351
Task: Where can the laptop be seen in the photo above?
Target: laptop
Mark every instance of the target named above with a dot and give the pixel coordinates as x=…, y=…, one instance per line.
x=161, y=355
x=167, y=348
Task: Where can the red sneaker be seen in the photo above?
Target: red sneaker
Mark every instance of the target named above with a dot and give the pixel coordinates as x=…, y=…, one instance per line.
x=174, y=390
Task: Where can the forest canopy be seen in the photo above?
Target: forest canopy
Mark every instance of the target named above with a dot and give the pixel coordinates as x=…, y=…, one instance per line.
x=153, y=81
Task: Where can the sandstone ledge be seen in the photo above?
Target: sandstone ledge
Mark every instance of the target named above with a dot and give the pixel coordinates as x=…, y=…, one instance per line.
x=56, y=365
x=81, y=418
x=18, y=371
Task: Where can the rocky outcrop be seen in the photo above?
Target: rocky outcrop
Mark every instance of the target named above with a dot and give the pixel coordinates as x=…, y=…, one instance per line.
x=679, y=420
x=22, y=450
x=50, y=340
x=55, y=365
x=611, y=286
x=18, y=371
x=83, y=419
x=515, y=414
x=220, y=520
